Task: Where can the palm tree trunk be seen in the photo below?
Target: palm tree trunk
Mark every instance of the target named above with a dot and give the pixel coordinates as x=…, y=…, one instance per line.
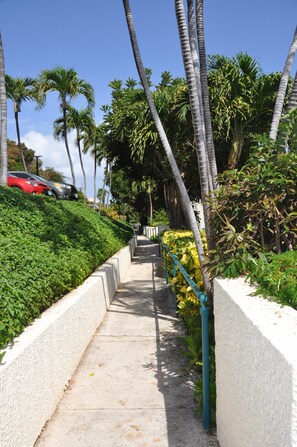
x=172, y=199
x=81, y=164
x=292, y=104
x=204, y=91
x=193, y=46
x=66, y=144
x=95, y=180
x=16, y=116
x=186, y=203
x=102, y=195
x=150, y=205
x=197, y=114
x=282, y=89
x=109, y=171
x=3, y=108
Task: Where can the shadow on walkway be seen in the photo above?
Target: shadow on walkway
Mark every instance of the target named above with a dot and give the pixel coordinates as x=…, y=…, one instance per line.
x=131, y=388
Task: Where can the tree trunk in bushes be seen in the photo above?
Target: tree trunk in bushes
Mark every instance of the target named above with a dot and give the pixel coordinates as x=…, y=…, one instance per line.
x=175, y=213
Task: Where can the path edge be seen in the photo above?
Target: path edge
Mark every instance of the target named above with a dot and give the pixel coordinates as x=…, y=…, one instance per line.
x=36, y=369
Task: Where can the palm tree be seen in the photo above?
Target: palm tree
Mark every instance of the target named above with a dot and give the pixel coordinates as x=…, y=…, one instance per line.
x=186, y=203
x=147, y=185
x=20, y=90
x=197, y=117
x=204, y=91
x=79, y=120
x=69, y=86
x=92, y=138
x=3, y=106
x=282, y=88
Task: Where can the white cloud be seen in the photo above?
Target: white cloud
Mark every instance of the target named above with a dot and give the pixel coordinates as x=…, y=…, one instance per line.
x=53, y=154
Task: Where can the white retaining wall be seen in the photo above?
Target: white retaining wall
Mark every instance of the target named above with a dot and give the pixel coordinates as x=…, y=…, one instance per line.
x=36, y=369
x=256, y=368
x=154, y=231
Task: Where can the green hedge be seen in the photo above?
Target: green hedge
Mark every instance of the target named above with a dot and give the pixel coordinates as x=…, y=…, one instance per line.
x=276, y=277
x=48, y=248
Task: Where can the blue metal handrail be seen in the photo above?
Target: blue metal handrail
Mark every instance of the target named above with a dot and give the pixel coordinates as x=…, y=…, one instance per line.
x=204, y=312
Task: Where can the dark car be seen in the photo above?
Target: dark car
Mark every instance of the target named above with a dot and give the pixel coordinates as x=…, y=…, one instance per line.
x=62, y=191
x=28, y=186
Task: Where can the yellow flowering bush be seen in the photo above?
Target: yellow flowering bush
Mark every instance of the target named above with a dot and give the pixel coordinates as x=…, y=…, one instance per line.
x=181, y=243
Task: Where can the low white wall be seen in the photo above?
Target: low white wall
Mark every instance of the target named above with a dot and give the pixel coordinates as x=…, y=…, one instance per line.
x=154, y=231
x=36, y=369
x=256, y=368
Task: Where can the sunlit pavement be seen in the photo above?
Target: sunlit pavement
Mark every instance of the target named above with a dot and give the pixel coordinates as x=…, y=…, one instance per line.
x=130, y=388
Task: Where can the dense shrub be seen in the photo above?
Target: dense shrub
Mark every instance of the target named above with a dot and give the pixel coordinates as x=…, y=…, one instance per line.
x=255, y=212
x=276, y=277
x=181, y=243
x=47, y=249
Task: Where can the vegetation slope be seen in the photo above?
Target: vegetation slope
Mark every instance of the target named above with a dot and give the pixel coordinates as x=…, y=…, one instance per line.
x=47, y=249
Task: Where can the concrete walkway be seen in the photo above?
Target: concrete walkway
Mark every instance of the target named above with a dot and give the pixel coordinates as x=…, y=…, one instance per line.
x=130, y=389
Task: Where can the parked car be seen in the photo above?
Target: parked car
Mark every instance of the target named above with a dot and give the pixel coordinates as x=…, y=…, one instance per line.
x=62, y=191
x=28, y=186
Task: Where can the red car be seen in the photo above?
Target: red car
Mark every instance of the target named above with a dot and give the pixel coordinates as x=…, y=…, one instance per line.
x=28, y=186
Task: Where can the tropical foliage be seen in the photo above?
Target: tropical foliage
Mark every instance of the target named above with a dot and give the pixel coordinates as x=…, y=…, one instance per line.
x=242, y=98
x=256, y=205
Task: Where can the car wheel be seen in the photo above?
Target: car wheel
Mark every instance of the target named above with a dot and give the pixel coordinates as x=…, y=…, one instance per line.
x=54, y=195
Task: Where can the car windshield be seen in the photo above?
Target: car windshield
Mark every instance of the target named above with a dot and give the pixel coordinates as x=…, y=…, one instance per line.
x=40, y=178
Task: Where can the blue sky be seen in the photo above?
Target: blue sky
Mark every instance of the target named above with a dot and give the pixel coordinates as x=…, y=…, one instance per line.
x=91, y=37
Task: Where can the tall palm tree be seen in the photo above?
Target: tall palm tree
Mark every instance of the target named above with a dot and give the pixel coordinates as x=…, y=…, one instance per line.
x=204, y=91
x=20, y=90
x=68, y=86
x=197, y=115
x=186, y=203
x=79, y=120
x=3, y=130
x=282, y=88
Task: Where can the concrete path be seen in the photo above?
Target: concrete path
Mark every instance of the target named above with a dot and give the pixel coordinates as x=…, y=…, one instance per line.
x=130, y=389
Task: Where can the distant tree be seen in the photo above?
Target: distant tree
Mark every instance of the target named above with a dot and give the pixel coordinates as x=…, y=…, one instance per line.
x=147, y=185
x=101, y=195
x=20, y=90
x=92, y=138
x=14, y=157
x=51, y=174
x=15, y=162
x=3, y=108
x=80, y=121
x=68, y=86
